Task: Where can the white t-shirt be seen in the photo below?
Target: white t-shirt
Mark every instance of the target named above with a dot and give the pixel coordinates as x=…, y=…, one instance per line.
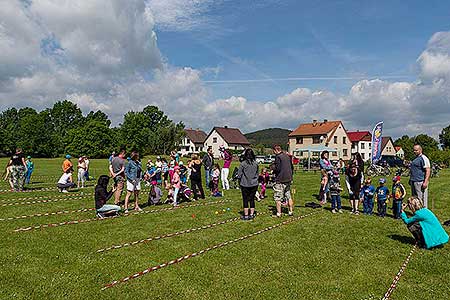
x=64, y=178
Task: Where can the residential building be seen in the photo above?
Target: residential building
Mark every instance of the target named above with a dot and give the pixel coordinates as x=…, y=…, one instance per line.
x=230, y=138
x=399, y=152
x=193, y=142
x=320, y=135
x=361, y=142
x=387, y=146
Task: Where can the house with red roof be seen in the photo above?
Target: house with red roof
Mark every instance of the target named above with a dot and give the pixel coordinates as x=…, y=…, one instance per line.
x=230, y=138
x=361, y=142
x=193, y=141
x=326, y=135
x=387, y=146
x=399, y=152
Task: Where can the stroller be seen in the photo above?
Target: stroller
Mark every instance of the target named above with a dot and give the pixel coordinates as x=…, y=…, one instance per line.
x=235, y=179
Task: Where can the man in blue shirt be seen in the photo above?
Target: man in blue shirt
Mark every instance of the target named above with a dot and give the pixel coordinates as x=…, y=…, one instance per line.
x=420, y=175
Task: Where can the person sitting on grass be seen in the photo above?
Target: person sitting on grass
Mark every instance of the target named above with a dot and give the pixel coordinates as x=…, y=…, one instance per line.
x=382, y=194
x=423, y=224
x=366, y=196
x=66, y=181
x=155, y=195
x=102, y=196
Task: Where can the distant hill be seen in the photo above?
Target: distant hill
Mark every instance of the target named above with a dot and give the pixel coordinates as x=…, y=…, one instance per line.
x=269, y=137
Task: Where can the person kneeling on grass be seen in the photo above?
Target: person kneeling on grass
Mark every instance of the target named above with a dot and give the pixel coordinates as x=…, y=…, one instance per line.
x=66, y=181
x=102, y=196
x=424, y=225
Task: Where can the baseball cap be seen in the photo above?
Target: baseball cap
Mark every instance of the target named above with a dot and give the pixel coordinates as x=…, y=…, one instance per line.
x=68, y=156
x=28, y=156
x=382, y=180
x=396, y=178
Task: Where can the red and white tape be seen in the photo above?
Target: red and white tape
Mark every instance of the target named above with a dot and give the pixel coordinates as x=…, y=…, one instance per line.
x=42, y=226
x=46, y=214
x=64, y=196
x=394, y=283
x=168, y=235
x=217, y=246
x=43, y=201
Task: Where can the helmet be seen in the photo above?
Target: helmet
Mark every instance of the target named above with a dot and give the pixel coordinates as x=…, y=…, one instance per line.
x=396, y=178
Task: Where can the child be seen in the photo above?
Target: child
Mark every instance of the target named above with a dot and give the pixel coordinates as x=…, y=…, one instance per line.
x=169, y=190
x=323, y=187
x=263, y=179
x=176, y=183
x=335, y=192
x=102, y=196
x=30, y=169
x=215, y=181
x=382, y=194
x=183, y=172
x=398, y=194
x=366, y=196
x=155, y=195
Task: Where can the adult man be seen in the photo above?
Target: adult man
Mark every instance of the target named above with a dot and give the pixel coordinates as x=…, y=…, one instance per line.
x=420, y=175
x=208, y=163
x=117, y=170
x=283, y=170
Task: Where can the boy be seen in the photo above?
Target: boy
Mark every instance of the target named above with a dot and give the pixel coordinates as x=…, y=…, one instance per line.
x=335, y=192
x=398, y=194
x=382, y=194
x=366, y=196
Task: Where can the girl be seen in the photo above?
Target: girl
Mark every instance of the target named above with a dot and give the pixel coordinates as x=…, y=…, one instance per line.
x=263, y=179
x=196, y=177
x=353, y=179
x=133, y=172
x=227, y=158
x=248, y=180
x=81, y=172
x=215, y=181
x=176, y=183
x=155, y=195
x=102, y=196
x=8, y=176
x=326, y=169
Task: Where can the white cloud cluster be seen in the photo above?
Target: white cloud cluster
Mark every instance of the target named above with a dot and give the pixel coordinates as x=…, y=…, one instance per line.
x=104, y=55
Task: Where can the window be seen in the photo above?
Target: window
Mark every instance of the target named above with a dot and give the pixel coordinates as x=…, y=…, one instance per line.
x=370, y=146
x=316, y=139
x=334, y=153
x=362, y=146
x=335, y=139
x=363, y=155
x=188, y=141
x=214, y=140
x=344, y=152
x=299, y=140
x=344, y=140
x=235, y=147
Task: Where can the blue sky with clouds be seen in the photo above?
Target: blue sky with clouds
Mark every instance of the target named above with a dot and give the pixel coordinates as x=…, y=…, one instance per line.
x=247, y=64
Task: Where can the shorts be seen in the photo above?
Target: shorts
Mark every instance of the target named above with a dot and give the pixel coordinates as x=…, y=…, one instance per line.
x=133, y=187
x=282, y=192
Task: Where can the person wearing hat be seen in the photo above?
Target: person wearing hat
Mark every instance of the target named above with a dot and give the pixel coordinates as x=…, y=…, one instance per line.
x=176, y=184
x=398, y=194
x=67, y=164
x=382, y=194
x=30, y=169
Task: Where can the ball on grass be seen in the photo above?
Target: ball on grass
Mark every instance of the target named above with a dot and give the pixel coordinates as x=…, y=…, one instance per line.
x=217, y=212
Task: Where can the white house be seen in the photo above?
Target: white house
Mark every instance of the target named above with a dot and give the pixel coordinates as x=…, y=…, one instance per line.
x=193, y=142
x=230, y=138
x=361, y=142
x=400, y=152
x=387, y=146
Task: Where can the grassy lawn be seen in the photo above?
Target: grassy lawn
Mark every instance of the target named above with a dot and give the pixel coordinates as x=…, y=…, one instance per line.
x=322, y=256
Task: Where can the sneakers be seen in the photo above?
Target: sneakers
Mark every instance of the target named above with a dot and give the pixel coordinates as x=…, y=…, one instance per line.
x=125, y=211
x=100, y=215
x=244, y=218
x=64, y=191
x=138, y=209
x=356, y=212
x=341, y=211
x=290, y=214
x=333, y=211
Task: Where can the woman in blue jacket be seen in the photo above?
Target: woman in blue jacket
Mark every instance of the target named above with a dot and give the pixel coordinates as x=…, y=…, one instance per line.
x=424, y=225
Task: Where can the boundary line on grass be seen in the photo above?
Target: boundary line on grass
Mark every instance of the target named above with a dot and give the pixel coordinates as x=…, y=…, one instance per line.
x=47, y=197
x=173, y=234
x=400, y=272
x=42, y=226
x=46, y=214
x=216, y=246
x=44, y=201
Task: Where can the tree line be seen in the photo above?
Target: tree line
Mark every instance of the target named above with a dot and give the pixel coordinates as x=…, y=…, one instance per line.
x=63, y=129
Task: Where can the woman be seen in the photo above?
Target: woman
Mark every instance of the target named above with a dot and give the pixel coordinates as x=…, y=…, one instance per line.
x=248, y=181
x=65, y=181
x=196, y=177
x=326, y=169
x=102, y=196
x=18, y=170
x=227, y=159
x=133, y=172
x=353, y=179
x=424, y=225
x=81, y=171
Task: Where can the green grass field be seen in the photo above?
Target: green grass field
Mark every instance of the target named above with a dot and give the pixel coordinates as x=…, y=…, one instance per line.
x=321, y=256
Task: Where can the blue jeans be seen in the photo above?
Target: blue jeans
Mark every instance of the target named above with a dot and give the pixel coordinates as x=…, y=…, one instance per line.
x=368, y=206
x=108, y=207
x=397, y=208
x=381, y=207
x=28, y=176
x=336, y=200
x=208, y=175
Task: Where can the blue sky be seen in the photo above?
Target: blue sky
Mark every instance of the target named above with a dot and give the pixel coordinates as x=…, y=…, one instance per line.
x=282, y=39
x=219, y=62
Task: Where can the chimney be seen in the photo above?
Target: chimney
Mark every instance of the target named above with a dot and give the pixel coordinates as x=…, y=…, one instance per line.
x=314, y=122
x=225, y=126
x=325, y=120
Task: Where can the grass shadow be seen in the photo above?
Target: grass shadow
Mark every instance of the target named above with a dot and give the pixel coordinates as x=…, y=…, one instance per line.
x=403, y=239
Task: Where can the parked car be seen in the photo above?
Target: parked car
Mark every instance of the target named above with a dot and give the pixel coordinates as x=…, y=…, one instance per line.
x=392, y=161
x=269, y=159
x=260, y=159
